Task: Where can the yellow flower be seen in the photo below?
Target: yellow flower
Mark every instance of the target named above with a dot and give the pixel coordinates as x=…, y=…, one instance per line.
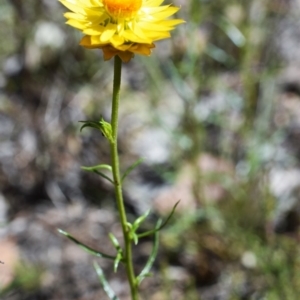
x=121, y=27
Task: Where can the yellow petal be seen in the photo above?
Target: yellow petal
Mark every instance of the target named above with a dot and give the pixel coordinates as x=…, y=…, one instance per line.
x=130, y=36
x=117, y=40
x=91, y=3
x=73, y=7
x=153, y=2
x=149, y=11
x=135, y=28
x=70, y=15
x=77, y=24
x=109, y=31
x=171, y=23
x=95, y=30
x=165, y=13
x=86, y=42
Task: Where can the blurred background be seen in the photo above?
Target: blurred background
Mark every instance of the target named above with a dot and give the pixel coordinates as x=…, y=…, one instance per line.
x=214, y=112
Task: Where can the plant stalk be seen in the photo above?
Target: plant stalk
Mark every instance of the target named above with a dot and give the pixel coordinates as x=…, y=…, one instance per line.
x=117, y=178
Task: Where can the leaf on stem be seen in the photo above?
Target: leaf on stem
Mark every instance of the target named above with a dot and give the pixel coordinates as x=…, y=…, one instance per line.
x=136, y=225
x=117, y=261
x=108, y=290
x=92, y=124
x=134, y=237
x=150, y=232
x=101, y=125
x=119, y=256
x=85, y=247
x=132, y=167
x=95, y=169
x=114, y=241
x=146, y=271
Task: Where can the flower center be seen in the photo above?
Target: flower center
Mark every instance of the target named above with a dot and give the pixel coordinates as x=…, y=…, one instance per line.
x=122, y=8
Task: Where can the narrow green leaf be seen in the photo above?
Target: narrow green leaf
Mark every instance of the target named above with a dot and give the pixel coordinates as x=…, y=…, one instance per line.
x=146, y=271
x=117, y=261
x=140, y=235
x=134, y=237
x=140, y=220
x=85, y=247
x=95, y=170
x=129, y=225
x=92, y=124
x=97, y=167
x=133, y=227
x=108, y=290
x=132, y=167
x=104, y=176
x=114, y=241
x=119, y=256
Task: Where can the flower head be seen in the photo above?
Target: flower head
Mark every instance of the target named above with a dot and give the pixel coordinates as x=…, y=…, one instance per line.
x=121, y=27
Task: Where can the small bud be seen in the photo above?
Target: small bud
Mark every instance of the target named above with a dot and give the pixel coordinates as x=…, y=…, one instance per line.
x=101, y=125
x=106, y=130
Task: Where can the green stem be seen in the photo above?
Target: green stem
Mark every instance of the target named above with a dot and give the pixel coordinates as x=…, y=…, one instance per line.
x=117, y=178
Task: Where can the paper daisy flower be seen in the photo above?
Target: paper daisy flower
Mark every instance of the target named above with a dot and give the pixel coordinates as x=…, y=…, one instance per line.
x=121, y=27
